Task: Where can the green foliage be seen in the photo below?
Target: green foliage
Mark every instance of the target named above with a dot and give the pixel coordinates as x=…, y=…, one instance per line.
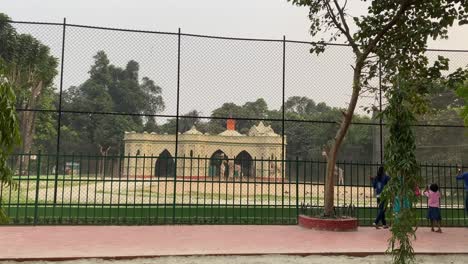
x=150, y=125
x=462, y=92
x=440, y=144
x=45, y=136
x=400, y=163
x=188, y=120
x=396, y=31
x=28, y=61
x=304, y=139
x=109, y=89
x=9, y=132
x=256, y=109
x=30, y=70
x=391, y=39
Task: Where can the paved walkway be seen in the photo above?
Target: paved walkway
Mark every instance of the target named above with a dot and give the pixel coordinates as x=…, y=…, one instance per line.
x=74, y=242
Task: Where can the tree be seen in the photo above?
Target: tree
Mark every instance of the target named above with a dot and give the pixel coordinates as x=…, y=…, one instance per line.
x=188, y=120
x=462, y=92
x=226, y=110
x=150, y=125
x=393, y=34
x=300, y=105
x=45, y=136
x=256, y=109
x=441, y=143
x=9, y=132
x=110, y=89
x=30, y=70
x=401, y=163
x=305, y=139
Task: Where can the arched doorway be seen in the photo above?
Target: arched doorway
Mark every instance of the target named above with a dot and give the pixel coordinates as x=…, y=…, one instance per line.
x=164, y=165
x=244, y=165
x=217, y=159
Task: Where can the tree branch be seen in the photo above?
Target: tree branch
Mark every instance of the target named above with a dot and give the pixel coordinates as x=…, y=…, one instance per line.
x=337, y=23
x=346, y=32
x=405, y=5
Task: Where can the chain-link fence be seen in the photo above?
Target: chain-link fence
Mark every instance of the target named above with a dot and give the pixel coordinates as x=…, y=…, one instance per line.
x=134, y=126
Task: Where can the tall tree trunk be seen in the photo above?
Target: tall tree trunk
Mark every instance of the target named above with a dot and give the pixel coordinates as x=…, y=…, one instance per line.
x=346, y=122
x=27, y=125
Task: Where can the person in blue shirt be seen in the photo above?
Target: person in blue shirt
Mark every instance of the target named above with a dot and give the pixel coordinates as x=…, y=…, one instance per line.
x=378, y=183
x=464, y=177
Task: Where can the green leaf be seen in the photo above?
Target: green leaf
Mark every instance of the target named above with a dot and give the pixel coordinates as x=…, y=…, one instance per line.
x=9, y=132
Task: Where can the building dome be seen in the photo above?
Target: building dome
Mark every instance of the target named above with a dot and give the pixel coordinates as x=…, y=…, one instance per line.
x=193, y=131
x=262, y=131
x=230, y=133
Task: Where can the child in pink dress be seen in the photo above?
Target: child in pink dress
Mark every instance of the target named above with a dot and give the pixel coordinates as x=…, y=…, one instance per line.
x=433, y=214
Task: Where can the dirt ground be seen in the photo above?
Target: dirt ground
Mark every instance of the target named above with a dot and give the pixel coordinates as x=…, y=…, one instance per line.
x=187, y=192
x=271, y=259
x=161, y=191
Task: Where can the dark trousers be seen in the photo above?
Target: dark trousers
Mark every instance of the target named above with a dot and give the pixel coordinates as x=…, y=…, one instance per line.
x=466, y=202
x=380, y=213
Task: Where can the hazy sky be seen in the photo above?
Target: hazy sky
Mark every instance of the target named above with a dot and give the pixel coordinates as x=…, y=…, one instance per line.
x=249, y=18
x=212, y=71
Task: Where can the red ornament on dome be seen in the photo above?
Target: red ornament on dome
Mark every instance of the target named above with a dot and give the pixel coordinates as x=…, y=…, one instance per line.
x=231, y=124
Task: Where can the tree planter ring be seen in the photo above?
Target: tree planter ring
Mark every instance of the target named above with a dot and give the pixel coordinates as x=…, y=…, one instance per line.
x=328, y=224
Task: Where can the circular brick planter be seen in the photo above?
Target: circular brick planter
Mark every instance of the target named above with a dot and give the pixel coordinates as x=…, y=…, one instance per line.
x=339, y=224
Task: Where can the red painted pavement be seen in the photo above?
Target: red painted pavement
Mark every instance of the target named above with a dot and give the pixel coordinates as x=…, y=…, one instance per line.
x=71, y=242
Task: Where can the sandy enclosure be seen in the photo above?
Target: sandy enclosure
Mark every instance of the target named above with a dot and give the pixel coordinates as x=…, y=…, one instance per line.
x=113, y=191
x=164, y=190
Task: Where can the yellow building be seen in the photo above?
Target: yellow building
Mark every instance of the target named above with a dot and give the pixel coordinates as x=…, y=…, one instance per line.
x=226, y=155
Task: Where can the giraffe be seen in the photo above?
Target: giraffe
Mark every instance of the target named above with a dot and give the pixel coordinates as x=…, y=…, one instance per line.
x=338, y=172
x=222, y=167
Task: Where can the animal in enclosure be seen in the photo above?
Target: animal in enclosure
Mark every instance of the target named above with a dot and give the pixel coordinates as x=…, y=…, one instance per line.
x=231, y=169
x=238, y=171
x=338, y=172
x=274, y=168
x=222, y=169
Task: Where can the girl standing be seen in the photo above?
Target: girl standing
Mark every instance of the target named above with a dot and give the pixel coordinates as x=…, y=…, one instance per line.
x=433, y=214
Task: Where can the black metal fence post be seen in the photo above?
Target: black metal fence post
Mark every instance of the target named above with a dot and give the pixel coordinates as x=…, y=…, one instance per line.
x=283, y=158
x=297, y=186
x=59, y=119
x=176, y=152
x=36, y=199
x=380, y=116
x=282, y=104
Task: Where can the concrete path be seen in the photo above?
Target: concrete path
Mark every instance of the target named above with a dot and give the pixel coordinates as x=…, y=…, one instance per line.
x=76, y=242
